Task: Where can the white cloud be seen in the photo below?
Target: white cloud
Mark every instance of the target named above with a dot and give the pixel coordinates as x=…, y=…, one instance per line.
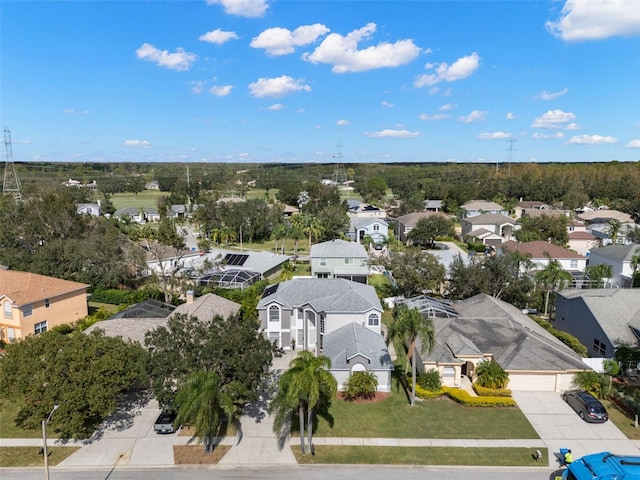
x=342, y=52
x=474, y=116
x=553, y=119
x=573, y=126
x=591, y=140
x=221, y=90
x=494, y=135
x=137, y=143
x=510, y=116
x=447, y=107
x=552, y=95
x=343, y=122
x=277, y=87
x=71, y=111
x=437, y=116
x=242, y=8
x=275, y=106
x=197, y=86
x=393, y=134
x=538, y=135
x=218, y=36
x=281, y=41
x=179, y=60
x=596, y=19
x=633, y=144
x=387, y=104
x=461, y=68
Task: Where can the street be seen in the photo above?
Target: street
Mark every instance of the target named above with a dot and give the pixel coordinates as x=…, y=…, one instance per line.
x=311, y=472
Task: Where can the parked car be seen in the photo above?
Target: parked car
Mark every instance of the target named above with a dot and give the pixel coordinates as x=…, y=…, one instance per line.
x=586, y=405
x=164, y=422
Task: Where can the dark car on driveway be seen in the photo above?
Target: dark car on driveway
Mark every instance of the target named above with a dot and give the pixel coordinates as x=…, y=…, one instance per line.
x=586, y=405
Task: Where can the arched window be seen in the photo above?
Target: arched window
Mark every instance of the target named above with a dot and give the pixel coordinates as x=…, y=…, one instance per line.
x=374, y=320
x=274, y=313
x=8, y=312
x=358, y=367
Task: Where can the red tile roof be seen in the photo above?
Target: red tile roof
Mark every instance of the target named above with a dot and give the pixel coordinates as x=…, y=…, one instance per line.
x=24, y=288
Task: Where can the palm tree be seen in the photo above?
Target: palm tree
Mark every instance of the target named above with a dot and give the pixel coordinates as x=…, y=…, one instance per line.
x=633, y=233
x=491, y=375
x=614, y=228
x=597, y=273
x=294, y=233
x=367, y=241
x=408, y=326
x=553, y=277
x=286, y=272
x=204, y=404
x=635, y=265
x=306, y=385
x=279, y=232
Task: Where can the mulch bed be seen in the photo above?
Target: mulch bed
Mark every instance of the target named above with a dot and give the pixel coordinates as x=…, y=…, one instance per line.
x=195, y=454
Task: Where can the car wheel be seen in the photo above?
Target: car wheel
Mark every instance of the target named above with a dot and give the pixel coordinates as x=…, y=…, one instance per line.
x=565, y=398
x=582, y=415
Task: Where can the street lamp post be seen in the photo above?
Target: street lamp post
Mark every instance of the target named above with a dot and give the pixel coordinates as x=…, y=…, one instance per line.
x=44, y=442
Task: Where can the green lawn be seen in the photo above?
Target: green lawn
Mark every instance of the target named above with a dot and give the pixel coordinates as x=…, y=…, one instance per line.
x=31, y=456
x=8, y=428
x=502, y=457
x=622, y=420
x=146, y=198
x=439, y=418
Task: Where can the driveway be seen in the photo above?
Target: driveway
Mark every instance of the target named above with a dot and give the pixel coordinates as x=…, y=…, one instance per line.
x=560, y=427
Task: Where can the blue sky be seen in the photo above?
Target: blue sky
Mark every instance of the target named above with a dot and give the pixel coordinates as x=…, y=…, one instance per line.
x=312, y=81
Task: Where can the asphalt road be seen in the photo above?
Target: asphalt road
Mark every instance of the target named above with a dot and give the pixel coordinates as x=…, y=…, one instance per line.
x=316, y=472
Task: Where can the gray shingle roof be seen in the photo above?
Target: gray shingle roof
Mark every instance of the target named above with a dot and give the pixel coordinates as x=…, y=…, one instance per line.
x=324, y=295
x=490, y=219
x=353, y=339
x=207, y=307
x=619, y=253
x=338, y=249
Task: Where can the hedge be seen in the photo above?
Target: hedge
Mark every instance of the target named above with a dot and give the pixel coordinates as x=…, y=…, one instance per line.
x=465, y=398
x=491, y=392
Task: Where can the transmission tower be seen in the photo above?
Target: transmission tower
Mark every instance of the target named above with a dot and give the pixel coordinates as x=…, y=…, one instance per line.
x=11, y=183
x=511, y=149
x=339, y=173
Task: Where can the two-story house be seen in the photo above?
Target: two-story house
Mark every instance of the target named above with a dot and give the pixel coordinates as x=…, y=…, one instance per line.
x=298, y=313
x=358, y=209
x=619, y=257
x=541, y=252
x=361, y=227
x=492, y=229
x=339, y=259
x=479, y=207
x=34, y=303
x=89, y=209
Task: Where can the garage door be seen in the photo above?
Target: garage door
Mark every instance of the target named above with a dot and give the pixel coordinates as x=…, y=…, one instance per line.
x=532, y=382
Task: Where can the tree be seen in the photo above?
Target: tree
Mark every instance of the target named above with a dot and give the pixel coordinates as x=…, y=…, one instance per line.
x=632, y=233
x=597, y=273
x=491, y=375
x=428, y=229
x=374, y=189
x=307, y=385
x=551, y=228
x=287, y=271
x=409, y=326
x=589, y=381
x=613, y=229
x=84, y=374
x=553, y=277
x=361, y=384
x=635, y=265
x=205, y=404
x=233, y=348
x=414, y=271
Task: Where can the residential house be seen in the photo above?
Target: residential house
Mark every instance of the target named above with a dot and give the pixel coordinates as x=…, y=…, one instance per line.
x=530, y=205
x=339, y=259
x=604, y=234
x=358, y=209
x=583, y=242
x=34, y=303
x=619, y=257
x=355, y=348
x=490, y=228
x=152, y=185
x=574, y=225
x=432, y=205
x=138, y=215
x=72, y=183
x=89, y=209
x=306, y=309
x=480, y=207
x=361, y=227
x=603, y=216
x=490, y=329
x=601, y=318
x=405, y=223
x=541, y=253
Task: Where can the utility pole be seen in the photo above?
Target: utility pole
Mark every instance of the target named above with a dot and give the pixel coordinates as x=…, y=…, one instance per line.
x=510, y=149
x=339, y=173
x=11, y=183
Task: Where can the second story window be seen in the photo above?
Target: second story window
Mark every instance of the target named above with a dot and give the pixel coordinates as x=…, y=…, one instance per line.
x=8, y=311
x=274, y=313
x=376, y=227
x=27, y=310
x=323, y=262
x=374, y=320
x=348, y=261
x=47, y=303
x=40, y=327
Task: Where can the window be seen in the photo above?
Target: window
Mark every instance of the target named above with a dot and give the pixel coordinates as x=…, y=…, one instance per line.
x=374, y=320
x=300, y=314
x=274, y=313
x=46, y=303
x=448, y=372
x=322, y=325
x=599, y=347
x=274, y=337
x=323, y=262
x=8, y=311
x=11, y=334
x=40, y=327
x=376, y=227
x=348, y=261
x=27, y=310
x=574, y=263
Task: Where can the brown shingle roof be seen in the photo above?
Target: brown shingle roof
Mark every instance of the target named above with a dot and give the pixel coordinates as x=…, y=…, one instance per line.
x=538, y=249
x=24, y=287
x=581, y=236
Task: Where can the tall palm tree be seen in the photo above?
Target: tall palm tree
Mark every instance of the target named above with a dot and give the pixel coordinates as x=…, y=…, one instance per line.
x=635, y=265
x=205, y=405
x=553, y=277
x=633, y=233
x=295, y=233
x=287, y=272
x=279, y=232
x=614, y=228
x=408, y=326
x=306, y=385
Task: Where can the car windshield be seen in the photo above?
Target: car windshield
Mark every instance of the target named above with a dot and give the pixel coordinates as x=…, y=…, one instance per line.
x=597, y=409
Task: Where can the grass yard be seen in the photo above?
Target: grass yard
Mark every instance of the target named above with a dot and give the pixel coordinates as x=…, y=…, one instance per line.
x=502, y=457
x=393, y=417
x=622, y=420
x=8, y=428
x=146, y=198
x=31, y=456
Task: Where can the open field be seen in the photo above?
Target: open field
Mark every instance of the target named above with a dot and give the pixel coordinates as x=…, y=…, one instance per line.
x=146, y=198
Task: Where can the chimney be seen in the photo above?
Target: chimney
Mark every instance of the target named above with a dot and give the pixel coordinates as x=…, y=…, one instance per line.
x=189, y=297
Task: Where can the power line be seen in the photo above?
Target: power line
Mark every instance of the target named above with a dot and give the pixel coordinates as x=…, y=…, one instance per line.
x=11, y=183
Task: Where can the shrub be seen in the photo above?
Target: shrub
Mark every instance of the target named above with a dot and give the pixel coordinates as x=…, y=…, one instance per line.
x=491, y=375
x=361, y=385
x=463, y=397
x=430, y=380
x=491, y=392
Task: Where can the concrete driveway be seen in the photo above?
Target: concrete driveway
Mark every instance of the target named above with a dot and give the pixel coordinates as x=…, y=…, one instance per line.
x=559, y=426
